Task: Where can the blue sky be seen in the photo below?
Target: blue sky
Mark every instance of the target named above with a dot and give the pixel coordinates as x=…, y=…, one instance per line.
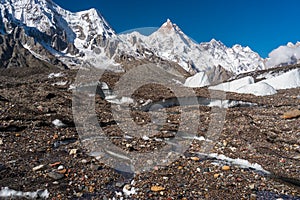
x=260, y=24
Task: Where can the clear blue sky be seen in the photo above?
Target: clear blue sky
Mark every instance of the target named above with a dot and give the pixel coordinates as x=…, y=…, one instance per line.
x=260, y=24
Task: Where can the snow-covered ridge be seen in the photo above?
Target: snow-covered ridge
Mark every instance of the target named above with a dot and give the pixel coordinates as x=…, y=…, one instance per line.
x=170, y=43
x=64, y=34
x=75, y=37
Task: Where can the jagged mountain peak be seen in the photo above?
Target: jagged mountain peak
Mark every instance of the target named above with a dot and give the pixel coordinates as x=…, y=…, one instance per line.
x=168, y=26
x=62, y=32
x=86, y=33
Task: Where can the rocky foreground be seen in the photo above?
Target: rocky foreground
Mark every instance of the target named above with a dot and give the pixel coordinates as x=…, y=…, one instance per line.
x=40, y=149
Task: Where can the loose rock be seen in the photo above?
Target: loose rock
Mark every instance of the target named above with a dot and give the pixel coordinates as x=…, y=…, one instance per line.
x=37, y=168
x=56, y=175
x=291, y=114
x=156, y=188
x=226, y=168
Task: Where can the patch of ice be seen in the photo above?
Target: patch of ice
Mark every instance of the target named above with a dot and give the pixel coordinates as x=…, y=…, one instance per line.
x=145, y=137
x=287, y=80
x=198, y=80
x=123, y=100
x=228, y=103
x=55, y=75
x=232, y=86
x=147, y=102
x=201, y=138
x=72, y=87
x=129, y=192
x=58, y=123
x=9, y=193
x=258, y=89
x=238, y=161
x=60, y=83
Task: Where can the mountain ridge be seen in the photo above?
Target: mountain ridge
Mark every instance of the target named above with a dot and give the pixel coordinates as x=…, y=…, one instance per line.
x=74, y=37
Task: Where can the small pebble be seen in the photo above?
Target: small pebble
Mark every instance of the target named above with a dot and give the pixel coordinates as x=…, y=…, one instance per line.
x=226, y=168
x=55, y=175
x=73, y=152
x=156, y=188
x=1, y=142
x=60, y=167
x=37, y=168
x=119, y=184
x=195, y=158
x=216, y=175
x=253, y=197
x=252, y=186
x=84, y=161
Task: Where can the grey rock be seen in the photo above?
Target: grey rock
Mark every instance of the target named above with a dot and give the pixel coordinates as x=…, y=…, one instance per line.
x=55, y=175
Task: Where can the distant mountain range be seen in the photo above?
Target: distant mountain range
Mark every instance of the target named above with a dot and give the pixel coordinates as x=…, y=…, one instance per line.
x=39, y=31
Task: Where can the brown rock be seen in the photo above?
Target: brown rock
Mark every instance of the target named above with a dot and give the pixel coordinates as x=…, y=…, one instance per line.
x=226, y=168
x=156, y=188
x=291, y=114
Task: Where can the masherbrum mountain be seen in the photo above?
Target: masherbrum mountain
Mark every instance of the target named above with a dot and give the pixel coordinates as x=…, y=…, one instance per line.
x=48, y=33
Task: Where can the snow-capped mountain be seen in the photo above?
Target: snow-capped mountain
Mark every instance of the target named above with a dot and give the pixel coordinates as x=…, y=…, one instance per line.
x=170, y=43
x=61, y=32
x=54, y=35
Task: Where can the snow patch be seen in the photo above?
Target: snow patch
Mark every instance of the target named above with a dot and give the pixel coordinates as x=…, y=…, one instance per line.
x=238, y=161
x=58, y=123
x=55, y=75
x=130, y=191
x=9, y=193
x=60, y=83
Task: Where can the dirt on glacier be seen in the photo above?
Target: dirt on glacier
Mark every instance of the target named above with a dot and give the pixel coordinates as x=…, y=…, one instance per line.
x=37, y=154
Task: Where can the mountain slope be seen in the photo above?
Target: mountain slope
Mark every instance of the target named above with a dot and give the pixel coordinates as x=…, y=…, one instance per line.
x=63, y=33
x=49, y=32
x=170, y=43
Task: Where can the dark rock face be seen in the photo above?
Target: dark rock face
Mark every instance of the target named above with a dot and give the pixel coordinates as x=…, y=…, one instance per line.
x=218, y=74
x=14, y=54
